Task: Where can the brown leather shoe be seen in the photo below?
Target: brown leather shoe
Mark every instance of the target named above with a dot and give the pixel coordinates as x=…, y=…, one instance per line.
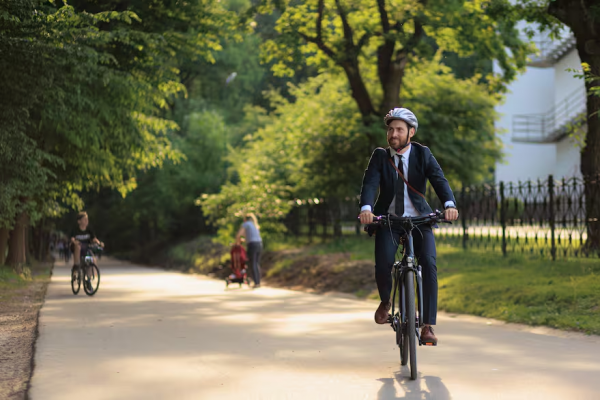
x=382, y=314
x=427, y=335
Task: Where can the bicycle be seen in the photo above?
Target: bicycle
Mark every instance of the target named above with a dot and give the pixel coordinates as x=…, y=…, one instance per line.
x=88, y=272
x=406, y=321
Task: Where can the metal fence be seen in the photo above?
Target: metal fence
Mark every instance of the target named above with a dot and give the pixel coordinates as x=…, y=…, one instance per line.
x=545, y=218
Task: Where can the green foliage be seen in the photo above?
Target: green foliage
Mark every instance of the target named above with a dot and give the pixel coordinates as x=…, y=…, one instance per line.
x=314, y=147
x=212, y=116
x=162, y=206
x=465, y=28
x=291, y=157
x=456, y=120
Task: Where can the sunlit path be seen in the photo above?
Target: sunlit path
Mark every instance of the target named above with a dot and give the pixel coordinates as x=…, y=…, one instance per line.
x=150, y=334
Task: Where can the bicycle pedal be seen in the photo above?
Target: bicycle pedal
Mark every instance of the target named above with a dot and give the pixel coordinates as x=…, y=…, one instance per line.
x=429, y=344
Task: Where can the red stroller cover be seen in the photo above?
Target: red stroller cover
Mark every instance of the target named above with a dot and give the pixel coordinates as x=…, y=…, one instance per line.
x=238, y=260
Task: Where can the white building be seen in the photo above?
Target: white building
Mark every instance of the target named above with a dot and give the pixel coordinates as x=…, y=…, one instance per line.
x=538, y=113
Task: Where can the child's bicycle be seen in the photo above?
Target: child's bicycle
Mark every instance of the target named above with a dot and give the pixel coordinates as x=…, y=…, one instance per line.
x=87, y=272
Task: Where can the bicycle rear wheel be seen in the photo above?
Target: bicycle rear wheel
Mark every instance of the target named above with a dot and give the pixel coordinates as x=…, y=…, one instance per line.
x=75, y=280
x=91, y=279
x=411, y=330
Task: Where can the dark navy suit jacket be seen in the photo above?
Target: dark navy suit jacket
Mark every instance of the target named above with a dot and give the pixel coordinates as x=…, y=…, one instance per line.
x=381, y=176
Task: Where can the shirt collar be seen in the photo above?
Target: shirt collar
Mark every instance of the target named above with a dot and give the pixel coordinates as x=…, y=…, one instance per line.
x=405, y=155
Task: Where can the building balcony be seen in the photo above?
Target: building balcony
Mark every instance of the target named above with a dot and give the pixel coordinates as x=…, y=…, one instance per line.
x=550, y=51
x=553, y=125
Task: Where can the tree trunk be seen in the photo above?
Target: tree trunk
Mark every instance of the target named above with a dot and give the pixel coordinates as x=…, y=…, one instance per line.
x=583, y=19
x=358, y=89
x=17, y=252
x=590, y=159
x=3, y=244
x=337, y=218
x=40, y=238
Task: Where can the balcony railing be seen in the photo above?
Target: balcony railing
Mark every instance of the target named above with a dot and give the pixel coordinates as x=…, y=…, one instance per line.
x=553, y=125
x=550, y=51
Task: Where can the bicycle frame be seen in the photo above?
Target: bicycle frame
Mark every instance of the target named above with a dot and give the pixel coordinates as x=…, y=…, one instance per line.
x=399, y=270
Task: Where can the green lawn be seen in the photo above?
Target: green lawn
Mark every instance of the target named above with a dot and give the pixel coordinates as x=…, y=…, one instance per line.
x=10, y=280
x=11, y=284
x=563, y=294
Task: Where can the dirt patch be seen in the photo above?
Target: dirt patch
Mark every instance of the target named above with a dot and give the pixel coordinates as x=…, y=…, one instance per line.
x=20, y=303
x=291, y=268
x=319, y=273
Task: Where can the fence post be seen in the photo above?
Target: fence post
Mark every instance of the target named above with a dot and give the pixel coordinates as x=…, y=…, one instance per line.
x=464, y=217
x=551, y=216
x=503, y=218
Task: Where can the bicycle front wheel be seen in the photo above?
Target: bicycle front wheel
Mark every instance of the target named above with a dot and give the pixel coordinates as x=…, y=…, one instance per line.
x=91, y=280
x=411, y=326
x=401, y=338
x=75, y=280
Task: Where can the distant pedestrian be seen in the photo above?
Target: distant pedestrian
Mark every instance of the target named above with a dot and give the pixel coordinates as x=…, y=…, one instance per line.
x=251, y=231
x=61, y=249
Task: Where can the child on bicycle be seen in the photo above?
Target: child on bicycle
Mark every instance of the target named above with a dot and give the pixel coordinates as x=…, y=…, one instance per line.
x=82, y=237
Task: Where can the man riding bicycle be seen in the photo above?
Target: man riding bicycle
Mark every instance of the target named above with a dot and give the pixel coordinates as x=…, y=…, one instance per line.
x=400, y=173
x=81, y=238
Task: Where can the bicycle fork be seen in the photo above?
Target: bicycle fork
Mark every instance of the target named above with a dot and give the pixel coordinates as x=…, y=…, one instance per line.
x=419, y=289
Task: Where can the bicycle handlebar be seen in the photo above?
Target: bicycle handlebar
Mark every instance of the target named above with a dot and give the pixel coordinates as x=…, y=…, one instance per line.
x=434, y=217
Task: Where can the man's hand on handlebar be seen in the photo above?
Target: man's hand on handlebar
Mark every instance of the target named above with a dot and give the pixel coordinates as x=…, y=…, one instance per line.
x=366, y=217
x=451, y=214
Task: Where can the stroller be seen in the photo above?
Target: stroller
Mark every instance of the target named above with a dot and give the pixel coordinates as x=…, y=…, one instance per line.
x=238, y=266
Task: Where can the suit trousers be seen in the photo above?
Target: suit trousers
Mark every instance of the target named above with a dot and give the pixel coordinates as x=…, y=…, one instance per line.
x=386, y=246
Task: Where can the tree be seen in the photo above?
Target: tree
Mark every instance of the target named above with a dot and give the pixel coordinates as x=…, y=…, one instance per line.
x=378, y=41
x=308, y=148
x=88, y=98
x=162, y=207
x=583, y=17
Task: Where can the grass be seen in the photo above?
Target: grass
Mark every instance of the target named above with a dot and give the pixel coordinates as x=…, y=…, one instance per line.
x=200, y=255
x=11, y=283
x=9, y=279
x=563, y=294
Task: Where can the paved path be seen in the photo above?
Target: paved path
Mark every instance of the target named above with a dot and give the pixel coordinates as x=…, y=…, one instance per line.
x=150, y=334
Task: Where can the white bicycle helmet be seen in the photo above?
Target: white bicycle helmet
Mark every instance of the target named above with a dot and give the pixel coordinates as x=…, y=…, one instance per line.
x=403, y=114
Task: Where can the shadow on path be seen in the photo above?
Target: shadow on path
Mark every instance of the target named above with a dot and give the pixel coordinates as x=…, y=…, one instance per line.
x=413, y=390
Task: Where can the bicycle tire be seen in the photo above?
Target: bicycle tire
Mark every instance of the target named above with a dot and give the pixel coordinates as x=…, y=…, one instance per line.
x=94, y=281
x=75, y=280
x=409, y=287
x=401, y=338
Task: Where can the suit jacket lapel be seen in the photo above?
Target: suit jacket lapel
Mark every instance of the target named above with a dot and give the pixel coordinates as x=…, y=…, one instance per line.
x=413, y=161
x=412, y=164
x=392, y=171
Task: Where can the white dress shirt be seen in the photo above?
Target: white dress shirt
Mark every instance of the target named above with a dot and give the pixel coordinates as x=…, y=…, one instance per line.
x=409, y=208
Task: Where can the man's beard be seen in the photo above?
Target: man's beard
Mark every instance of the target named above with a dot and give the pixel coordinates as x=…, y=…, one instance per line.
x=399, y=144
